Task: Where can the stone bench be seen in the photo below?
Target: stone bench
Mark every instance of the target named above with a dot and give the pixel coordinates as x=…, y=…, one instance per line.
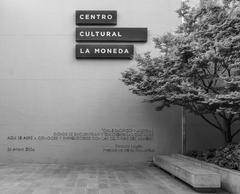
x=200, y=179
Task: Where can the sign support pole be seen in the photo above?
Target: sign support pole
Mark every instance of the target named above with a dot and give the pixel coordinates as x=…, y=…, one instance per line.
x=183, y=132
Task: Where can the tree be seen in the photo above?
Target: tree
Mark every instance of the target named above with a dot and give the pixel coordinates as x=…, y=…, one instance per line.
x=198, y=66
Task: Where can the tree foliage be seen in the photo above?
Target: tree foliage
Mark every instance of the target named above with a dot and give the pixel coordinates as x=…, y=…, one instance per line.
x=198, y=66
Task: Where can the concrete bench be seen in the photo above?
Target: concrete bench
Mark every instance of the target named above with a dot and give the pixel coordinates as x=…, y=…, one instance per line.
x=197, y=177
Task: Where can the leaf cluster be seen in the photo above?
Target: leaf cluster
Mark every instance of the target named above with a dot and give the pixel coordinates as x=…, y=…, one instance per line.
x=198, y=66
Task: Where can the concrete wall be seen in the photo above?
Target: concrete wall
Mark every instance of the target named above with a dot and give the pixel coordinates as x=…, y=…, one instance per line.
x=45, y=90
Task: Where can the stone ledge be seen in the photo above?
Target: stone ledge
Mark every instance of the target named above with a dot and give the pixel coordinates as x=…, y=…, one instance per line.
x=230, y=179
x=195, y=176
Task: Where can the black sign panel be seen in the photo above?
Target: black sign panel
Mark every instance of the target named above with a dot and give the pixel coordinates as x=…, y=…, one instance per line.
x=111, y=34
x=94, y=17
x=95, y=51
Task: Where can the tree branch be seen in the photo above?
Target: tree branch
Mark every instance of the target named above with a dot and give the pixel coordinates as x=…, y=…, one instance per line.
x=216, y=119
x=222, y=115
x=236, y=119
x=207, y=87
x=211, y=123
x=235, y=133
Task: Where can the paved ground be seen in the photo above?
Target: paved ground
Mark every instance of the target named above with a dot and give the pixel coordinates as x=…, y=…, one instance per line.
x=87, y=179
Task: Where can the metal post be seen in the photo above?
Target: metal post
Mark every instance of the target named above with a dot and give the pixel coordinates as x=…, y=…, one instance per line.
x=183, y=134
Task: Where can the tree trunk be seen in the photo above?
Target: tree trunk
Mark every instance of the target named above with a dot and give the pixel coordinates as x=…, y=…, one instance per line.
x=228, y=131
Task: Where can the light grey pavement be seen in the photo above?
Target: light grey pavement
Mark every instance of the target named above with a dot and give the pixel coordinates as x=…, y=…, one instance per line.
x=88, y=179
